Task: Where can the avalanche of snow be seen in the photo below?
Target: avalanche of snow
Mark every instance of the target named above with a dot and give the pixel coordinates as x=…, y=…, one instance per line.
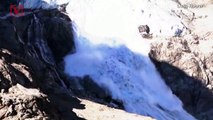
x=111, y=51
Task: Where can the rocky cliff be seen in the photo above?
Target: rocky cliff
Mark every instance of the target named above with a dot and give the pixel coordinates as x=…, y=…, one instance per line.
x=186, y=65
x=31, y=48
x=186, y=62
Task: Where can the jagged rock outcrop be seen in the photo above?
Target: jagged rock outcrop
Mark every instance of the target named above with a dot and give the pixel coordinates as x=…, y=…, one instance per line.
x=186, y=65
x=30, y=84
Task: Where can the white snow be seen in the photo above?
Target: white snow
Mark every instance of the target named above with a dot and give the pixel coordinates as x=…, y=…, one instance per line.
x=45, y=4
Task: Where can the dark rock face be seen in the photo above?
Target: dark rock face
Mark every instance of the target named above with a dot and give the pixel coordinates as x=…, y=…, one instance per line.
x=31, y=47
x=57, y=34
x=86, y=88
x=187, y=69
x=4, y=4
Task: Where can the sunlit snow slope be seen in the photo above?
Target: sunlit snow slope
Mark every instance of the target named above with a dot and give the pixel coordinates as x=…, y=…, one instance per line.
x=111, y=51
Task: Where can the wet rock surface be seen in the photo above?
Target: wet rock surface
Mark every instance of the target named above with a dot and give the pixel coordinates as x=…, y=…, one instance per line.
x=186, y=65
